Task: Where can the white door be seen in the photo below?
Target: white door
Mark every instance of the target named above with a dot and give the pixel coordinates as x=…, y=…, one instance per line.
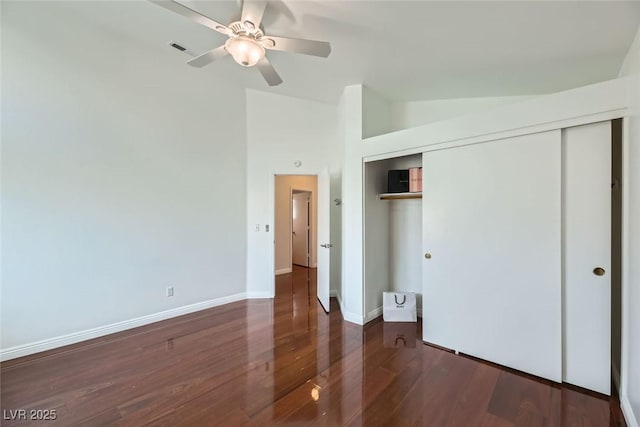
x=492, y=242
x=324, y=242
x=587, y=247
x=300, y=228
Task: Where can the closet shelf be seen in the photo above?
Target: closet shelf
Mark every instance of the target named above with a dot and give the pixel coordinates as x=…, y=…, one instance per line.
x=399, y=196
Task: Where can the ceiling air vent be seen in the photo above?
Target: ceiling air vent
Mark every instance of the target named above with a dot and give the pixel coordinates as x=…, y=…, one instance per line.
x=177, y=46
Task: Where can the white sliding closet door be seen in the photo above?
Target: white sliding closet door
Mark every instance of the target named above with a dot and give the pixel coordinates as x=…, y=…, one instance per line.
x=492, y=227
x=587, y=246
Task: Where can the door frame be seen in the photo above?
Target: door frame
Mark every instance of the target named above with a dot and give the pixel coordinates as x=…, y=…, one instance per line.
x=271, y=252
x=625, y=305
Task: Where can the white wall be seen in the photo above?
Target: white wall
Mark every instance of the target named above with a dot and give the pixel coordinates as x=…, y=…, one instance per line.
x=381, y=115
x=116, y=183
x=536, y=114
x=376, y=238
x=631, y=299
x=376, y=114
x=405, y=246
x=405, y=115
x=284, y=184
x=631, y=63
x=352, y=222
x=280, y=131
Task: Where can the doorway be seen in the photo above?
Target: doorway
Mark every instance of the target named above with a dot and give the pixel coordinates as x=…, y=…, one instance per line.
x=295, y=224
x=319, y=185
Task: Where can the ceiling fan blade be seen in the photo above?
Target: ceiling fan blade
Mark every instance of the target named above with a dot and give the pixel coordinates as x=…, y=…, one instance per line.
x=183, y=10
x=307, y=47
x=252, y=11
x=208, y=57
x=268, y=72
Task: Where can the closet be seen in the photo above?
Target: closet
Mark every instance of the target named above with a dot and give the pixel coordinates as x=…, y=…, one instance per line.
x=392, y=236
x=515, y=250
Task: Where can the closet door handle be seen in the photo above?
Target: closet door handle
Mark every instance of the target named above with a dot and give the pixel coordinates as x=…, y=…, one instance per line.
x=427, y=255
x=599, y=271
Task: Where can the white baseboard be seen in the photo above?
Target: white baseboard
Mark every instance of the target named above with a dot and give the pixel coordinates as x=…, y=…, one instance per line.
x=377, y=312
x=60, y=341
x=284, y=271
x=627, y=411
x=346, y=316
x=373, y=314
x=259, y=295
x=352, y=318
x=333, y=293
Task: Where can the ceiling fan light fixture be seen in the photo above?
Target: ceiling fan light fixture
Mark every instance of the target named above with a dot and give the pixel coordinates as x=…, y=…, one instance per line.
x=246, y=51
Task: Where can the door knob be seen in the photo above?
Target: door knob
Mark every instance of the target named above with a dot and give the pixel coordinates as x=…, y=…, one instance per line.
x=427, y=255
x=599, y=271
x=327, y=245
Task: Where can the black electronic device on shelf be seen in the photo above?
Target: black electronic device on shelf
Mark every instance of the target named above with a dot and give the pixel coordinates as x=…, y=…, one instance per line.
x=398, y=181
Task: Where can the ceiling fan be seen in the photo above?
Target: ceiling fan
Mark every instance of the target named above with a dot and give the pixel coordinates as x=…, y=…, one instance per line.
x=247, y=43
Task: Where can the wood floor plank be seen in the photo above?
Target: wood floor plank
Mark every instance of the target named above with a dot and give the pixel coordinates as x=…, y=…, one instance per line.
x=282, y=361
x=514, y=398
x=472, y=404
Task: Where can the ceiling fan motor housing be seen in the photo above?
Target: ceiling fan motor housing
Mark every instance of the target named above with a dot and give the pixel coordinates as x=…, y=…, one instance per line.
x=245, y=29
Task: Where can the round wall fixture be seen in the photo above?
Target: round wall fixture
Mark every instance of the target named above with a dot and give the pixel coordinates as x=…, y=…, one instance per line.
x=297, y=163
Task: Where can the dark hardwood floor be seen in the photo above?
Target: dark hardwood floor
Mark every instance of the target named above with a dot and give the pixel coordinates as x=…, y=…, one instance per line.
x=284, y=362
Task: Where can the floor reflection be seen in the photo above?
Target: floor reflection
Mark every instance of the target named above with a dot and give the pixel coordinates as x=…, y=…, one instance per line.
x=400, y=334
x=296, y=358
x=284, y=362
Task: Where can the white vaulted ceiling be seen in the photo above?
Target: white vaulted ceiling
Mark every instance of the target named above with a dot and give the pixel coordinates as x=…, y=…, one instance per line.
x=413, y=50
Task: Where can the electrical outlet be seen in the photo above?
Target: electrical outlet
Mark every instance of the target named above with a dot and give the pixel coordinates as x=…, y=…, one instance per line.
x=169, y=291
